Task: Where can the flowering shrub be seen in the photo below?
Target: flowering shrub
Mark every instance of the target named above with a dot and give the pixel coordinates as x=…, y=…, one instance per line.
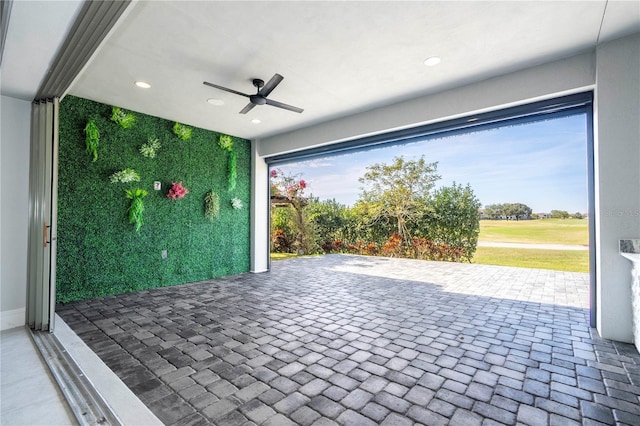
x=286, y=186
x=280, y=242
x=420, y=248
x=424, y=249
x=393, y=246
x=361, y=247
x=292, y=188
x=333, y=246
x=177, y=191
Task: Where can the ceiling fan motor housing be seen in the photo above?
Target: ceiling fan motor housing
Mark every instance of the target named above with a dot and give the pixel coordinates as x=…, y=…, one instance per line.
x=258, y=99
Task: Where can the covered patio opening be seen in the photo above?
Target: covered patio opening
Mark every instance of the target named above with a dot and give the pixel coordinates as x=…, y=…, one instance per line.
x=577, y=104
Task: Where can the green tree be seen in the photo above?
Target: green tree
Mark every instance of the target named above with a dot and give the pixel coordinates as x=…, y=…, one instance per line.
x=395, y=194
x=559, y=214
x=364, y=225
x=281, y=218
x=453, y=218
x=518, y=210
x=288, y=189
x=494, y=211
x=328, y=218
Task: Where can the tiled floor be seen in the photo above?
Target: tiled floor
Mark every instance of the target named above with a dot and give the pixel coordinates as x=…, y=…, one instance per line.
x=361, y=341
x=28, y=395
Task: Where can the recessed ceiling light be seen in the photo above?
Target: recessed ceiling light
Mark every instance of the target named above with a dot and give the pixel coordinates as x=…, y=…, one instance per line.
x=256, y=121
x=143, y=84
x=216, y=102
x=433, y=60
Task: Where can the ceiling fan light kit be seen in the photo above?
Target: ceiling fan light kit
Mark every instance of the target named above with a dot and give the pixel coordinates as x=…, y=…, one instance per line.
x=260, y=98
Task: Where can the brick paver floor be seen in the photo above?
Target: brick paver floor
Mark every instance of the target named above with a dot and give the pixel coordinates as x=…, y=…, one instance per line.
x=360, y=341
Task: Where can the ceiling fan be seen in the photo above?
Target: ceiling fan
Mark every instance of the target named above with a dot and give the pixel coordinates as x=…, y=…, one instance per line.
x=260, y=98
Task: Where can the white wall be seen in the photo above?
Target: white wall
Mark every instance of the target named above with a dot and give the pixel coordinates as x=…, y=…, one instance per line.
x=617, y=175
x=15, y=117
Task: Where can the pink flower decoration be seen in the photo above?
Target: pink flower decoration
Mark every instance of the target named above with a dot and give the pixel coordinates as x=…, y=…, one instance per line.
x=274, y=173
x=177, y=191
x=302, y=184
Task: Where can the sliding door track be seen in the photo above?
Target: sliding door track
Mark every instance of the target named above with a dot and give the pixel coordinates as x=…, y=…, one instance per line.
x=84, y=400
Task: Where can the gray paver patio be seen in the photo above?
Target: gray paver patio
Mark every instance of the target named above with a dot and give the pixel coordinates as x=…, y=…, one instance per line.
x=355, y=340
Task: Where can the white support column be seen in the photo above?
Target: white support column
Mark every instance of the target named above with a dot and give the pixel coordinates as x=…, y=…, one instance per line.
x=617, y=178
x=259, y=211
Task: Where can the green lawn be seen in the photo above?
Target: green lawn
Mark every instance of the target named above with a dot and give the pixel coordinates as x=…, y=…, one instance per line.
x=541, y=231
x=282, y=256
x=558, y=260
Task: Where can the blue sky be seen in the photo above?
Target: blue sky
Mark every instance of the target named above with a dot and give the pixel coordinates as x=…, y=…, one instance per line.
x=542, y=165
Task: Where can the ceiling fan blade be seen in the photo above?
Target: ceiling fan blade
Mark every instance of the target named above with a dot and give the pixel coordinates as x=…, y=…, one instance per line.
x=284, y=106
x=206, y=83
x=248, y=108
x=271, y=84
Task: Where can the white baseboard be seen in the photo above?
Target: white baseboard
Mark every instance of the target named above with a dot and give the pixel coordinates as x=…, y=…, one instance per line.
x=12, y=318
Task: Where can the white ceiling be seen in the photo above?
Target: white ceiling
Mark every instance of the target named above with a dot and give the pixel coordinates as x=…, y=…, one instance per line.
x=337, y=58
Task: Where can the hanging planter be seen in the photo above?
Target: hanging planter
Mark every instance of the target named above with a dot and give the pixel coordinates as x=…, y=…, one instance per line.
x=137, y=206
x=211, y=205
x=92, y=138
x=182, y=132
x=233, y=172
x=126, y=120
x=226, y=143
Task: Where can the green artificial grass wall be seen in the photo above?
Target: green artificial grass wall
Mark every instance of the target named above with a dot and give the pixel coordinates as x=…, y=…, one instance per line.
x=99, y=251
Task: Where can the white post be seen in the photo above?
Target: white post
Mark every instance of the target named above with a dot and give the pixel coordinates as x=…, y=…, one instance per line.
x=259, y=211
